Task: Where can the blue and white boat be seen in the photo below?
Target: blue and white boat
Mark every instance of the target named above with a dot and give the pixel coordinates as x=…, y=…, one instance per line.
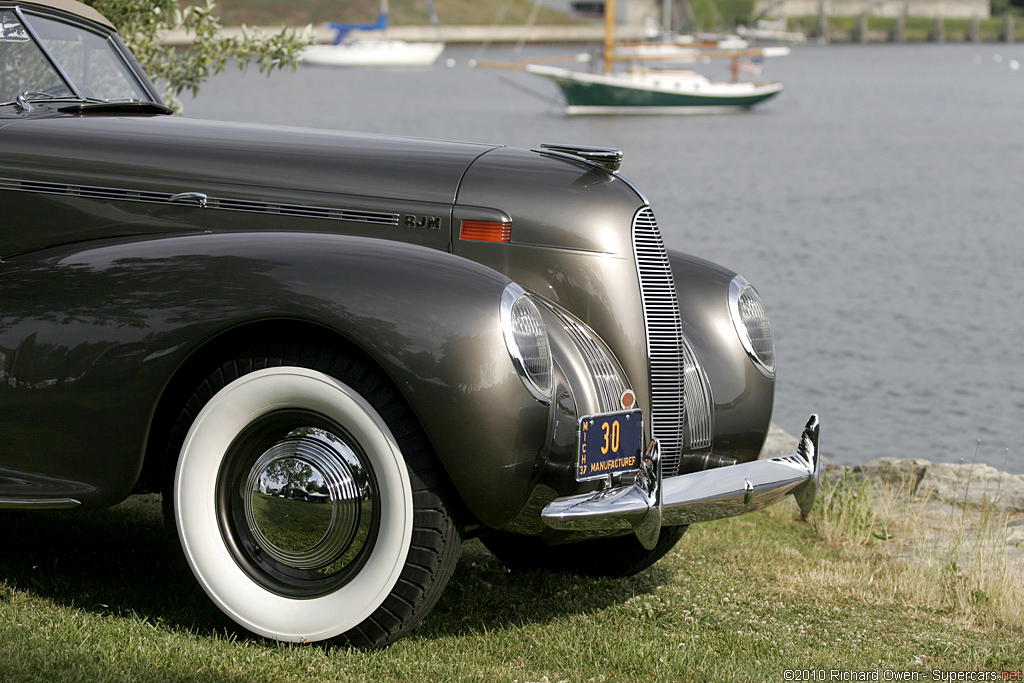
x=353, y=47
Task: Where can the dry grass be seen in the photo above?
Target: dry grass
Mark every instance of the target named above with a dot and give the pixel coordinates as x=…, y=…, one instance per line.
x=924, y=553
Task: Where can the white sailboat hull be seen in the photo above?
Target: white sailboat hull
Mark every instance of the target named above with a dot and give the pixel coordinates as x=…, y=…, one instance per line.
x=373, y=53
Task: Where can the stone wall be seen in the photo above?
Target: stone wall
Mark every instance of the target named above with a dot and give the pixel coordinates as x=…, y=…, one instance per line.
x=946, y=9
x=975, y=484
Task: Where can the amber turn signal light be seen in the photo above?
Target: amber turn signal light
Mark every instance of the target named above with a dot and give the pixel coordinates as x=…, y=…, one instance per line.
x=486, y=231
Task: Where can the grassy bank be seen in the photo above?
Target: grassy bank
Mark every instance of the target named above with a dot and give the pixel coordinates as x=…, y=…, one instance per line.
x=92, y=598
x=916, y=29
x=402, y=12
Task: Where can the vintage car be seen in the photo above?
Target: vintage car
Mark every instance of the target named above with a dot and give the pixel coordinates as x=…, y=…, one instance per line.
x=339, y=355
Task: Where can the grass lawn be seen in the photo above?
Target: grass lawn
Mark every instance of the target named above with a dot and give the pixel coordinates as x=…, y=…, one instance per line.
x=94, y=597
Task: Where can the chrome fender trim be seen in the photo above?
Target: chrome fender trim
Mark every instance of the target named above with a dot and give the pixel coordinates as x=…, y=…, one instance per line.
x=38, y=503
x=651, y=502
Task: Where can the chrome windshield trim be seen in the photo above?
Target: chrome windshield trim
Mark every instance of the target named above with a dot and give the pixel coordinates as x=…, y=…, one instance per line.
x=129, y=66
x=41, y=46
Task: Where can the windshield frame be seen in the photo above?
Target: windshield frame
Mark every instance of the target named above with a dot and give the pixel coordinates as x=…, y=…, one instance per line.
x=136, y=78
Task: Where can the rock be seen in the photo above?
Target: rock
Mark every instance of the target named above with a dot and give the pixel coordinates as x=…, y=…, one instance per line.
x=975, y=484
x=895, y=471
x=942, y=482
x=949, y=483
x=1015, y=534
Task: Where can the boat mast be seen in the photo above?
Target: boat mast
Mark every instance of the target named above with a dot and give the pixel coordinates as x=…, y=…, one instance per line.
x=433, y=19
x=609, y=35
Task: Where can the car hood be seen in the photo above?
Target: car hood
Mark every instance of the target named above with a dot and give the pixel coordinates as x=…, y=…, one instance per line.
x=213, y=153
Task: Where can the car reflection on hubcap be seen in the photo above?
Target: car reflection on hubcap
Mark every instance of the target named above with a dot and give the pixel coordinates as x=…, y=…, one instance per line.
x=308, y=501
x=298, y=505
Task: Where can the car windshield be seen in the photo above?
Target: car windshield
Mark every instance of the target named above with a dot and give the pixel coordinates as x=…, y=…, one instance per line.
x=92, y=68
x=23, y=67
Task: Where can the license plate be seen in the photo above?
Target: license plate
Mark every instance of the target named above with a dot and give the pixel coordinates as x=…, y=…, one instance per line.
x=609, y=444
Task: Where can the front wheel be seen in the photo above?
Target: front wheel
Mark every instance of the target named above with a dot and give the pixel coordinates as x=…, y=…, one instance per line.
x=299, y=513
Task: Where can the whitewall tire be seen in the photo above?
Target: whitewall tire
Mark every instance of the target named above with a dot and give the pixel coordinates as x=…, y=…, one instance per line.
x=297, y=510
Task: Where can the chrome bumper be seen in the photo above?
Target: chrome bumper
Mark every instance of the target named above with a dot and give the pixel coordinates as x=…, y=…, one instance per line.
x=651, y=502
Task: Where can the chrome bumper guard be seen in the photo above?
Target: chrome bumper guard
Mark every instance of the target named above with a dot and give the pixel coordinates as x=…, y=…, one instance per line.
x=651, y=502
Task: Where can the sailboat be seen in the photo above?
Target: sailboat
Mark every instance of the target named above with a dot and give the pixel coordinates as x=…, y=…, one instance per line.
x=346, y=50
x=645, y=90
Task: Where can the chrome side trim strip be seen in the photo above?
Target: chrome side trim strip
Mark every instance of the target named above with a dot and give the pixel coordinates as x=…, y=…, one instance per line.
x=38, y=503
x=175, y=199
x=697, y=497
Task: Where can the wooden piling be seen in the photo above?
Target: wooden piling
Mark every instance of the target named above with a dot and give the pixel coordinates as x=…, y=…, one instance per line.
x=899, y=29
x=862, y=29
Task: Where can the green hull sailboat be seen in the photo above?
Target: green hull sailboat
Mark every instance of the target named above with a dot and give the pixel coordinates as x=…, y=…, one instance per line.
x=643, y=90
x=652, y=92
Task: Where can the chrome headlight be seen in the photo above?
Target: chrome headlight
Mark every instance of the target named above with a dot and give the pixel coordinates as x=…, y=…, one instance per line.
x=527, y=340
x=751, y=324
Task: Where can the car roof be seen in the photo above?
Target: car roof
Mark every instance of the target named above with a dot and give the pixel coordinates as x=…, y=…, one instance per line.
x=71, y=7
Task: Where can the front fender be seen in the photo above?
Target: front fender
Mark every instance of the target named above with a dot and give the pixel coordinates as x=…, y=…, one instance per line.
x=742, y=395
x=91, y=337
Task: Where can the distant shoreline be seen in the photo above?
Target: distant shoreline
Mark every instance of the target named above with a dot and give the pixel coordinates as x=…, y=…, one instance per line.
x=573, y=34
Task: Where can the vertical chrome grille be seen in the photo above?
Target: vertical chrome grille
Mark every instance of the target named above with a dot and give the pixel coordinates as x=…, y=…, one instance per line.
x=680, y=395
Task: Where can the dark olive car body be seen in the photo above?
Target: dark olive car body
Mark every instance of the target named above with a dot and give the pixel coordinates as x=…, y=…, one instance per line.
x=400, y=342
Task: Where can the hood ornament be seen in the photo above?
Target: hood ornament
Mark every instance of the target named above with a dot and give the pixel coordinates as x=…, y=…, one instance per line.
x=605, y=157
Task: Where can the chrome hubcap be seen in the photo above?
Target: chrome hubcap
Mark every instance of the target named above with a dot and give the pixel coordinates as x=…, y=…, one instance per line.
x=309, y=502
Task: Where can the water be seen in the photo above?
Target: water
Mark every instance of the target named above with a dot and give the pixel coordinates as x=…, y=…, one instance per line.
x=876, y=204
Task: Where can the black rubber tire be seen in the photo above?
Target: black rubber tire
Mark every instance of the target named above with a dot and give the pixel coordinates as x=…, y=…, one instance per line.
x=435, y=539
x=620, y=556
